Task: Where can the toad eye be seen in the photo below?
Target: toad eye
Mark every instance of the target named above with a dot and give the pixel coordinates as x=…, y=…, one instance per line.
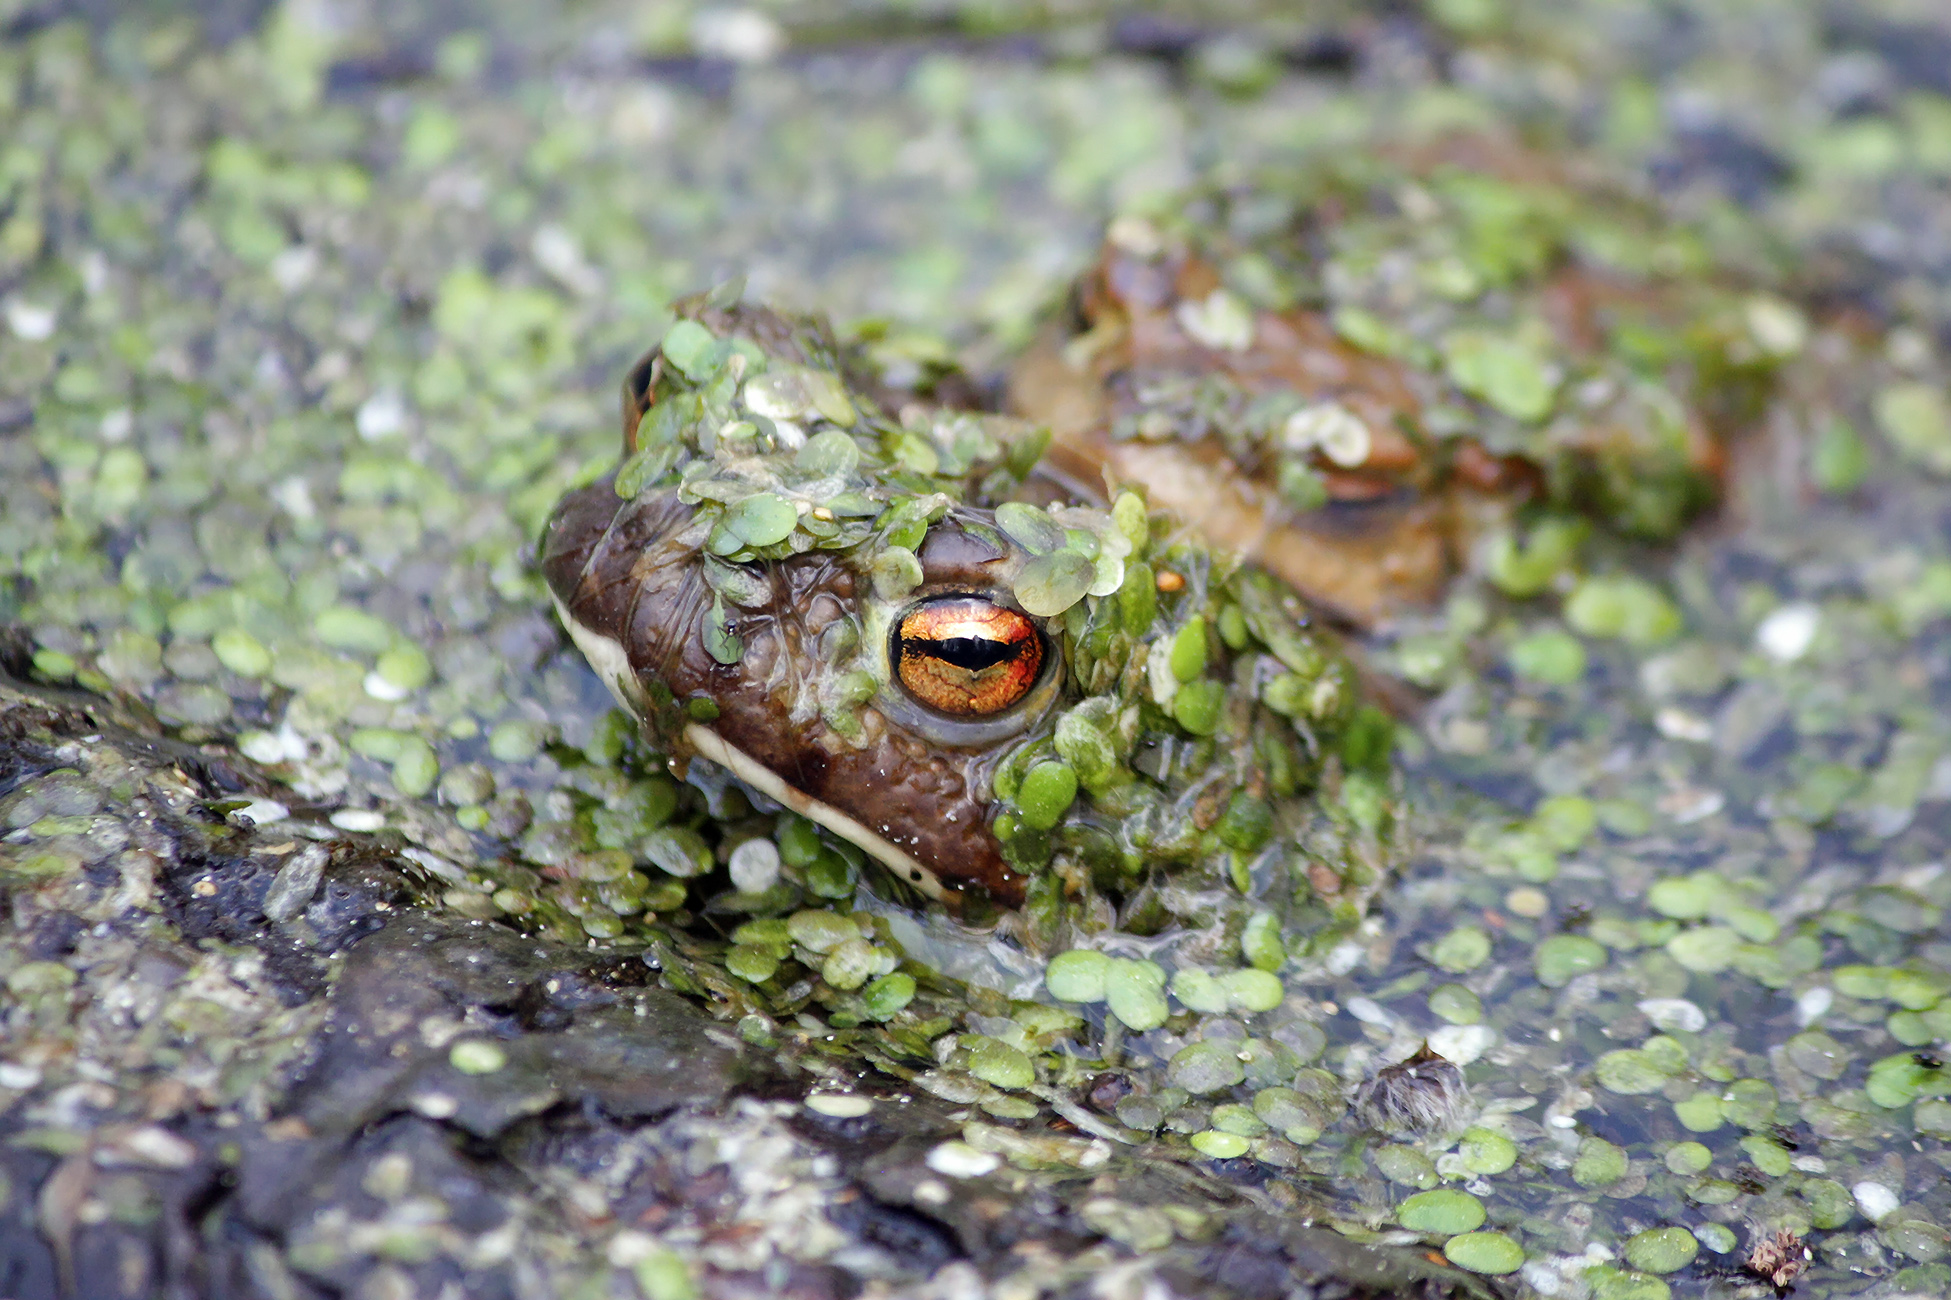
x=966, y=655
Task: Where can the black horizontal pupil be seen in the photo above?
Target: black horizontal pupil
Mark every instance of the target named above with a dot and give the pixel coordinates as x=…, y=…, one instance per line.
x=969, y=653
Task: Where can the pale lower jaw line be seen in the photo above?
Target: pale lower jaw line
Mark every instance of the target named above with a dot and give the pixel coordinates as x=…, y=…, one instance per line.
x=612, y=664
x=709, y=744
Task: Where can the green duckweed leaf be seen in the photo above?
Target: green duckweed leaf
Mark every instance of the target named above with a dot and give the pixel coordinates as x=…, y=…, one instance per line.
x=762, y=519
x=1492, y=1253
x=1485, y=1152
x=1563, y=957
x=1917, y=420
x=693, y=349
x=1464, y=948
x=1628, y=608
x=1629, y=1072
x=1077, y=975
x=828, y=454
x=1032, y=529
x=1052, y=583
x=1444, y=1210
x=1598, y=1163
x=1507, y=373
x=1661, y=1250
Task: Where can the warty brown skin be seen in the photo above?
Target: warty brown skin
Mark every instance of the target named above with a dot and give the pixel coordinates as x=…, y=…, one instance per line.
x=1381, y=544
x=633, y=572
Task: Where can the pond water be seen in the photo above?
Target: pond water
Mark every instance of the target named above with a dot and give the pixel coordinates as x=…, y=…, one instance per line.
x=310, y=322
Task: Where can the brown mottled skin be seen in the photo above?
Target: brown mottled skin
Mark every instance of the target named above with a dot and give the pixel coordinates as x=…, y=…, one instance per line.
x=1395, y=526
x=632, y=571
x=1381, y=543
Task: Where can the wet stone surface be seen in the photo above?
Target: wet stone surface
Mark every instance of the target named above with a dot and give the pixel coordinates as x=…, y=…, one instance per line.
x=460, y=1104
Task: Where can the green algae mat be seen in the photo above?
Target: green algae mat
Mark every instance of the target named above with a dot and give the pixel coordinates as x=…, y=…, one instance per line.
x=357, y=943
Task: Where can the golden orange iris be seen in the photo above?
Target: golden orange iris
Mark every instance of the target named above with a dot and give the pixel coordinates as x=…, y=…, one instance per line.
x=966, y=655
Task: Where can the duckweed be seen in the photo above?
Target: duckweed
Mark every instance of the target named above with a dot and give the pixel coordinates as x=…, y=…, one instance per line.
x=1051, y=584
x=415, y=768
x=1817, y=1054
x=1000, y=1065
x=887, y=996
x=345, y=628
x=1444, y=1211
x=1897, y=1080
x=1598, y=1163
x=1839, y=461
x=1206, y=1067
x=821, y=931
x=1462, y=949
x=850, y=963
x=515, y=741
x=1219, y=1145
x=1661, y=1250
x=1299, y=1117
x=1485, y=1152
x=754, y=866
x=1252, y=990
x=1506, y=372
x=1630, y=609
x=762, y=519
x=405, y=668
x=678, y=850
x=1135, y=993
x=752, y=964
x=1563, y=957
x=1260, y=942
x=1045, y=795
x=1456, y=1004
x=1565, y=821
x=1197, y=705
x=1699, y=1112
x=1765, y=1154
x=1687, y=898
x=1610, y=1283
x=1187, y=655
x=241, y=653
x=1490, y=1253
x=1708, y=950
x=1077, y=975
x=830, y=876
x=1751, y=1103
x=1199, y=990
x=1713, y=1191
x=1916, y=418
x=1405, y=1166
x=1629, y=1072
x=1717, y=1237
x=1235, y=1118
x=1528, y=567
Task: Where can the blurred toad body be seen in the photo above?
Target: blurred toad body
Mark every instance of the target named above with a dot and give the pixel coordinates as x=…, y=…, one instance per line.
x=1357, y=375
x=893, y=629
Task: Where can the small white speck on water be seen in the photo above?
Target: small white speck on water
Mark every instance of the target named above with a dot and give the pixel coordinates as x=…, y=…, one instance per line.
x=839, y=1105
x=383, y=415
x=1875, y=1200
x=960, y=1160
x=754, y=866
x=1786, y=634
